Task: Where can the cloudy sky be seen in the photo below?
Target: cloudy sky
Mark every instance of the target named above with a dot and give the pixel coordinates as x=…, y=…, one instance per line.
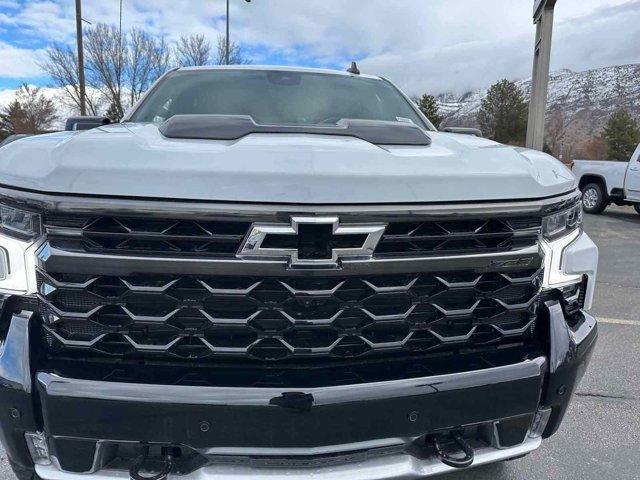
x=423, y=45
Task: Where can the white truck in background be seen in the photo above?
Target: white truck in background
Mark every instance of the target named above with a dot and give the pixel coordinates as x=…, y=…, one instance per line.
x=606, y=182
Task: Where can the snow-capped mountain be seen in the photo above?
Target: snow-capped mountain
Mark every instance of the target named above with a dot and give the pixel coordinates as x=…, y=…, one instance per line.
x=585, y=99
x=64, y=106
x=63, y=109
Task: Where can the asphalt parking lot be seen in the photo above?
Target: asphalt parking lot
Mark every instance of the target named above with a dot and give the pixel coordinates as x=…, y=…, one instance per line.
x=600, y=438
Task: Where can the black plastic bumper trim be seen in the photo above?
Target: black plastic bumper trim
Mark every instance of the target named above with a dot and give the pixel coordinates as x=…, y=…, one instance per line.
x=56, y=386
x=571, y=349
x=249, y=418
x=14, y=354
x=17, y=414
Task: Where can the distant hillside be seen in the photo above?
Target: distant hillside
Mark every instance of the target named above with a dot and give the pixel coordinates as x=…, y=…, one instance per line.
x=586, y=99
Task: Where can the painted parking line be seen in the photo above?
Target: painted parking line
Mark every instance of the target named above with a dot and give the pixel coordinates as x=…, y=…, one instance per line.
x=618, y=321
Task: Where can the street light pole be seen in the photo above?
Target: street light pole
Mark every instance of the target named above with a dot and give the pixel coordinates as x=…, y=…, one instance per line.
x=120, y=31
x=226, y=55
x=81, y=80
x=227, y=42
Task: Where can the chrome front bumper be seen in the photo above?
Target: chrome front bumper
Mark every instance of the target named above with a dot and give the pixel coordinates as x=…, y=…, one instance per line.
x=390, y=467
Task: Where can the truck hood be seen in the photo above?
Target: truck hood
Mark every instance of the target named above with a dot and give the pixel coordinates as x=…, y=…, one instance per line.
x=135, y=160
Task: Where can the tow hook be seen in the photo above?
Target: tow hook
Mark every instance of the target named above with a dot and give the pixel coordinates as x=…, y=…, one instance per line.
x=446, y=457
x=134, y=471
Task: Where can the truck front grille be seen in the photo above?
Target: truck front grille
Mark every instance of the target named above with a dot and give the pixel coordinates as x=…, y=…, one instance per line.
x=223, y=237
x=289, y=317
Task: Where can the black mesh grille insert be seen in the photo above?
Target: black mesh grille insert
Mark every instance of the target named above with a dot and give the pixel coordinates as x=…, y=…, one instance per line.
x=458, y=236
x=147, y=235
x=284, y=318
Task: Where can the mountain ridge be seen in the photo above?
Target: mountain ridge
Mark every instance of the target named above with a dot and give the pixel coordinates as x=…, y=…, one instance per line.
x=584, y=99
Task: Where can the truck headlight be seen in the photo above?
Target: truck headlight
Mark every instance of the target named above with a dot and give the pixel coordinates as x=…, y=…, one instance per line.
x=20, y=231
x=570, y=258
x=19, y=223
x=559, y=230
x=562, y=223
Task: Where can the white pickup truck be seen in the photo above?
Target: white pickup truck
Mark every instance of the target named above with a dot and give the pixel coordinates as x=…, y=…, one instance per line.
x=605, y=182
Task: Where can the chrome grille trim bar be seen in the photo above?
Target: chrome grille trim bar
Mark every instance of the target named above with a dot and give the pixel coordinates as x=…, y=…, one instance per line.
x=92, y=205
x=52, y=259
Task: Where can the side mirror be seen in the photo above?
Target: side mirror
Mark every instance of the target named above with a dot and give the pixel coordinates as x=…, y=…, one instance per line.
x=85, y=123
x=463, y=131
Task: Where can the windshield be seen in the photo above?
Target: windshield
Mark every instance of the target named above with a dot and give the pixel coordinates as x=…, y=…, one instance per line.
x=276, y=97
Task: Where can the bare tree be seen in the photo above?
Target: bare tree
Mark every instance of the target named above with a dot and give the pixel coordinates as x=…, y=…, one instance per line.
x=119, y=69
x=30, y=112
x=61, y=64
x=593, y=149
x=107, y=56
x=147, y=59
x=193, y=50
x=139, y=63
x=236, y=54
x=162, y=60
x=557, y=128
x=562, y=133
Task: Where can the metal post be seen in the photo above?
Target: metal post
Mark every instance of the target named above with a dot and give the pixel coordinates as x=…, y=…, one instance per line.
x=543, y=18
x=227, y=45
x=81, y=80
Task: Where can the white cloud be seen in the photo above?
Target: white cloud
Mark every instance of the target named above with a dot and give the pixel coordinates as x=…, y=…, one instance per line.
x=47, y=20
x=9, y=4
x=608, y=35
x=63, y=111
x=484, y=51
x=434, y=45
x=18, y=62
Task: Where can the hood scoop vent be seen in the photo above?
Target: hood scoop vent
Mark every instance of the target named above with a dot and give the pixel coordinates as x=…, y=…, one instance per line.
x=234, y=127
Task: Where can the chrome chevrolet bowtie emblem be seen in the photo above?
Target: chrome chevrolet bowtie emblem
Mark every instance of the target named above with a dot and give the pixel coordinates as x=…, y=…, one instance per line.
x=311, y=241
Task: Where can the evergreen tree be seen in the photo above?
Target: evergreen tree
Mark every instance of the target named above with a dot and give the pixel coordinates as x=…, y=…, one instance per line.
x=429, y=106
x=113, y=113
x=13, y=119
x=503, y=113
x=29, y=112
x=622, y=135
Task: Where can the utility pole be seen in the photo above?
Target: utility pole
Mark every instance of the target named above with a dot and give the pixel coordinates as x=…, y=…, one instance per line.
x=81, y=80
x=543, y=19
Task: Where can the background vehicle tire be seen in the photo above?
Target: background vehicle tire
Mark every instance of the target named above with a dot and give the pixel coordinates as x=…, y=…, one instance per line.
x=637, y=207
x=594, y=198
